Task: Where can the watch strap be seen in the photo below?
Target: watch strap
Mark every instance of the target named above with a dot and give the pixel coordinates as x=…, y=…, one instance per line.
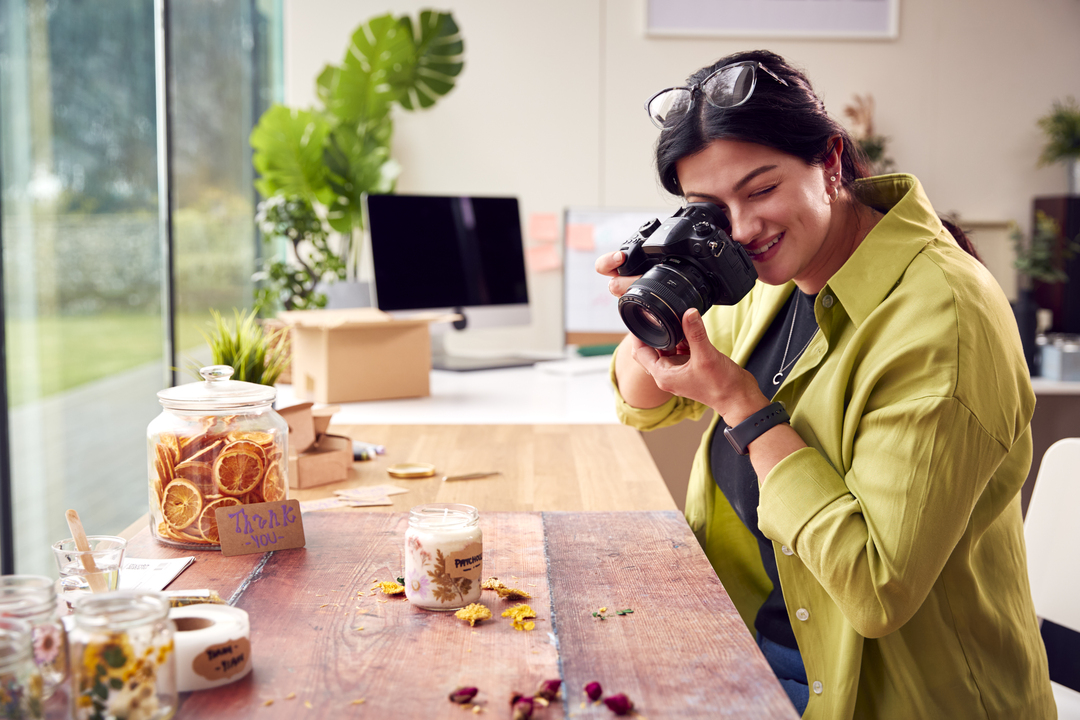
x=754, y=426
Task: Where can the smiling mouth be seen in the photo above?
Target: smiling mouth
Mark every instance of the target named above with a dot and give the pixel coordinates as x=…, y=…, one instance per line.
x=759, y=251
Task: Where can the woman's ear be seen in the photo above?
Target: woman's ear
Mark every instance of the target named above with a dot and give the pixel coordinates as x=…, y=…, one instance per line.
x=833, y=153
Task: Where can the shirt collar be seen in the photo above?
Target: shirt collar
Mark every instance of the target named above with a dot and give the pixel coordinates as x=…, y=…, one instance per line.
x=875, y=267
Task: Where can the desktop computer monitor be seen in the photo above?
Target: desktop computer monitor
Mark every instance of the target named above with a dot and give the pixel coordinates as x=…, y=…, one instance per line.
x=458, y=254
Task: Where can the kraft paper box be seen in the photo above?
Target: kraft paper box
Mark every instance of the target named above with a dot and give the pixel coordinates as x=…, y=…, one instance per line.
x=329, y=461
x=356, y=354
x=301, y=427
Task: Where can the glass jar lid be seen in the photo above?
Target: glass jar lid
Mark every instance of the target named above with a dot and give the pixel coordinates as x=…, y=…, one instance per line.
x=120, y=609
x=217, y=391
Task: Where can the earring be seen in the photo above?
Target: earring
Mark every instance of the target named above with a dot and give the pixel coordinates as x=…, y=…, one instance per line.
x=828, y=197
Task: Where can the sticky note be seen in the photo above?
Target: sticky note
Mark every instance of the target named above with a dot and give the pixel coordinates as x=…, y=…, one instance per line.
x=544, y=227
x=541, y=258
x=579, y=236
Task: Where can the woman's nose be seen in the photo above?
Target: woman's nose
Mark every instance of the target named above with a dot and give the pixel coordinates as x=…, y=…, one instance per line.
x=744, y=227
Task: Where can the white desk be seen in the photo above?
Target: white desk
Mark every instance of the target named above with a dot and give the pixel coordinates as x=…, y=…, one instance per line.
x=565, y=392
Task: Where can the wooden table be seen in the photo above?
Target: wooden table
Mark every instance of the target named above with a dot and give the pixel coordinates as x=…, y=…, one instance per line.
x=683, y=653
x=580, y=519
x=544, y=467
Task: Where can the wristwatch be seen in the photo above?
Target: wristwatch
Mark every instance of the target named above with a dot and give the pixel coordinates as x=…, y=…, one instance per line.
x=752, y=427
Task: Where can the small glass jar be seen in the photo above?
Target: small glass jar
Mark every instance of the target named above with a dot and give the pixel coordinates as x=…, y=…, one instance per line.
x=444, y=556
x=216, y=444
x=21, y=691
x=123, y=664
x=33, y=598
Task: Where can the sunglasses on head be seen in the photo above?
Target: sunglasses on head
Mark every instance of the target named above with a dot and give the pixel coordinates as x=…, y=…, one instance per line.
x=728, y=87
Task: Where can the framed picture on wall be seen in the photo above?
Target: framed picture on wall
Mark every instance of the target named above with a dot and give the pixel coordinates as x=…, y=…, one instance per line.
x=774, y=18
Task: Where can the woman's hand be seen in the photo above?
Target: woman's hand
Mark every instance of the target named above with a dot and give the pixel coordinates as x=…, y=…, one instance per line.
x=702, y=373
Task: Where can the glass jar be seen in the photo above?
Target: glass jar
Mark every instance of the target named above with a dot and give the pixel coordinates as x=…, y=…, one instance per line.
x=123, y=664
x=217, y=443
x=33, y=598
x=444, y=556
x=21, y=695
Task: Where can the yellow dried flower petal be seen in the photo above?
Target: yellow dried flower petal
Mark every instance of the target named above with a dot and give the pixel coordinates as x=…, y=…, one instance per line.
x=474, y=613
x=517, y=614
x=290, y=696
x=268, y=703
x=359, y=701
x=389, y=587
x=513, y=594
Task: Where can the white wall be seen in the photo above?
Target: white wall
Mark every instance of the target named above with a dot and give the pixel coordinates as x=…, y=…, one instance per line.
x=549, y=106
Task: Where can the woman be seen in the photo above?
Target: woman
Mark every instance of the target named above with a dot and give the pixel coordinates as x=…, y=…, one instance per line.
x=873, y=541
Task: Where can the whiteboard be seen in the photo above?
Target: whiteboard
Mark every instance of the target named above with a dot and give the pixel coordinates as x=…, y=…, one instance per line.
x=588, y=307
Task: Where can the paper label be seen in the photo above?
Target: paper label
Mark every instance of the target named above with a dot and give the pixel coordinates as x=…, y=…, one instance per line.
x=222, y=661
x=260, y=527
x=467, y=563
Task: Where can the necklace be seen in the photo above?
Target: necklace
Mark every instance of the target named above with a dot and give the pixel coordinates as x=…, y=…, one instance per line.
x=784, y=364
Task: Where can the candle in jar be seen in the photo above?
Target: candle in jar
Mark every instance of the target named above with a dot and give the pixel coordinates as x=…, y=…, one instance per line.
x=444, y=556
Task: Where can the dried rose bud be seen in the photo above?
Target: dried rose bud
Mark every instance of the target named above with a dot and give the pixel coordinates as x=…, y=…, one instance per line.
x=594, y=691
x=463, y=695
x=514, y=697
x=549, y=689
x=523, y=709
x=619, y=704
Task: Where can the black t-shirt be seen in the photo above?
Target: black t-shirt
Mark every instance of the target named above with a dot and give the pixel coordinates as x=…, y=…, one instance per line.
x=789, y=334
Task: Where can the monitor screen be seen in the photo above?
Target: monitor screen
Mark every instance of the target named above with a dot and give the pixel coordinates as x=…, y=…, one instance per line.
x=432, y=252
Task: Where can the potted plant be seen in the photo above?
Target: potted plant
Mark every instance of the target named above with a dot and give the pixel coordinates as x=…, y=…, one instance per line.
x=1062, y=129
x=256, y=354
x=1040, y=258
x=326, y=158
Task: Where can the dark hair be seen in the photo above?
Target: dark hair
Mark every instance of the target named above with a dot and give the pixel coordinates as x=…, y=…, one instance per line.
x=791, y=119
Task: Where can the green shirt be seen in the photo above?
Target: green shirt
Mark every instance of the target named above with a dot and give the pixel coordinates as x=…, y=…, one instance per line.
x=898, y=532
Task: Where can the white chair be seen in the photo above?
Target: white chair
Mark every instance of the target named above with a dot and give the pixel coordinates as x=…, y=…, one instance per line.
x=1052, y=533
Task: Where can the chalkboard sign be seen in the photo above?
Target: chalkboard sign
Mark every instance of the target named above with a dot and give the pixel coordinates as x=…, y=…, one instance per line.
x=588, y=307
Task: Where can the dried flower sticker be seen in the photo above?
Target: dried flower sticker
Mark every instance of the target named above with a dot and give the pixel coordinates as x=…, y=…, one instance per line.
x=446, y=585
x=518, y=614
x=474, y=613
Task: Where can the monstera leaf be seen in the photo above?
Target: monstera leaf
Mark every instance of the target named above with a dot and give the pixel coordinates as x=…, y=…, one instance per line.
x=358, y=161
x=439, y=59
x=288, y=155
x=377, y=70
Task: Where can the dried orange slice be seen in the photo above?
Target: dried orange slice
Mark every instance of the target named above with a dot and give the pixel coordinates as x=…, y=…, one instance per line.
x=199, y=474
x=202, y=451
x=171, y=443
x=273, y=487
x=181, y=504
x=238, y=470
x=263, y=439
x=207, y=524
x=165, y=462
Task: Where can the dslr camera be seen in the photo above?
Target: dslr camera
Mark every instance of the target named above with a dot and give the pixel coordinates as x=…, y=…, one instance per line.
x=688, y=261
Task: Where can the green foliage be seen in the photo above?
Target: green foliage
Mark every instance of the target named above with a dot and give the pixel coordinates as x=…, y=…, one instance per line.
x=291, y=285
x=1062, y=129
x=874, y=147
x=1039, y=257
x=330, y=157
x=255, y=354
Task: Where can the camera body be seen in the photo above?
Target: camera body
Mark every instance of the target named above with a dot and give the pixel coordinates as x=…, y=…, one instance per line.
x=686, y=261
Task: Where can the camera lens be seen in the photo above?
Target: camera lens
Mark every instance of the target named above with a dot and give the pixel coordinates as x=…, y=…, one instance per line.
x=652, y=308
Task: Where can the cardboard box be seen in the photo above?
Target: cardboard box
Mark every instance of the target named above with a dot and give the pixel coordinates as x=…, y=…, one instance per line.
x=315, y=457
x=329, y=461
x=356, y=354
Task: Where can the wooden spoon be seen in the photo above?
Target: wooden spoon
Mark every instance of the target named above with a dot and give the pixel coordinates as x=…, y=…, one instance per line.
x=97, y=581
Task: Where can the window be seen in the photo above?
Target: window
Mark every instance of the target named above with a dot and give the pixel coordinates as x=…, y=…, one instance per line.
x=87, y=329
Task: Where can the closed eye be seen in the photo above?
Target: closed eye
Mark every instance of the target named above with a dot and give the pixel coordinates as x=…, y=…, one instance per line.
x=763, y=191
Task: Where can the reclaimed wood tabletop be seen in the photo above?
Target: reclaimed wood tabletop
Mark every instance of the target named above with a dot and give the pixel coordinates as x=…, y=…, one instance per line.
x=325, y=643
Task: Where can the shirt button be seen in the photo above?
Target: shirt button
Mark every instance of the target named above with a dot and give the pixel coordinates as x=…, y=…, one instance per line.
x=803, y=614
x=817, y=687
x=786, y=550
x=827, y=301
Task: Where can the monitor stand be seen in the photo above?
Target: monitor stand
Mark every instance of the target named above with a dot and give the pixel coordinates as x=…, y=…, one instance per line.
x=441, y=360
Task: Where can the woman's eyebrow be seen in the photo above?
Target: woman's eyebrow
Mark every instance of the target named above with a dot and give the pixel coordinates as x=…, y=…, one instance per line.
x=753, y=174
